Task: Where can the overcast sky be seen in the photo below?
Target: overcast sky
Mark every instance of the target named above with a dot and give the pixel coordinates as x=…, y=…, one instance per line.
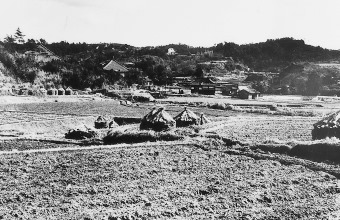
x=160, y=22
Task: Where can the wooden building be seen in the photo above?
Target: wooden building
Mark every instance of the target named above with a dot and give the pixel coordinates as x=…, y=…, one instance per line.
x=229, y=89
x=116, y=67
x=204, y=86
x=248, y=93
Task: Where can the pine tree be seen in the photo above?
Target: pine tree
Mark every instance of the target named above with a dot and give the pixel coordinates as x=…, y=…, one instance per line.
x=19, y=37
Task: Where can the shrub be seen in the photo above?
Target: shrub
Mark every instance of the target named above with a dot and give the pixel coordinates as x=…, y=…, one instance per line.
x=219, y=105
x=229, y=107
x=273, y=107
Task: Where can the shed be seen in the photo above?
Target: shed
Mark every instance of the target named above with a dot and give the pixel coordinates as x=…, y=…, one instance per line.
x=61, y=91
x=248, y=93
x=68, y=91
x=52, y=91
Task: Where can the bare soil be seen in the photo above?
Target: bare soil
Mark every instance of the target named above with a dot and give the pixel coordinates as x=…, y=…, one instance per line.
x=197, y=179
x=161, y=182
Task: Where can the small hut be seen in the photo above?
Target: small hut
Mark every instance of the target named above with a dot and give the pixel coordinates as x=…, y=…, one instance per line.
x=158, y=120
x=52, y=91
x=101, y=122
x=203, y=120
x=61, y=91
x=327, y=127
x=68, y=91
x=186, y=118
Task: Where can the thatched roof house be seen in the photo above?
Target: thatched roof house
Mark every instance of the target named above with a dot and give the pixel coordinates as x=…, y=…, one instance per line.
x=327, y=127
x=157, y=120
x=186, y=118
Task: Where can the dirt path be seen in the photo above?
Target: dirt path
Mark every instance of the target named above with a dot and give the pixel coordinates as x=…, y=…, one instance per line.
x=94, y=147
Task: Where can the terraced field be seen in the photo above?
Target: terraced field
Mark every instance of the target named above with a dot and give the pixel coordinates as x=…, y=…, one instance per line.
x=260, y=129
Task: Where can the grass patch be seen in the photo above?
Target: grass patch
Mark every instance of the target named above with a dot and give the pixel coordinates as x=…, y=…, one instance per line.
x=117, y=137
x=324, y=150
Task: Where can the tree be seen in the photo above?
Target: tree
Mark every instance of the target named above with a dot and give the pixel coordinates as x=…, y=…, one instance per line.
x=19, y=36
x=313, y=84
x=9, y=39
x=43, y=41
x=199, y=72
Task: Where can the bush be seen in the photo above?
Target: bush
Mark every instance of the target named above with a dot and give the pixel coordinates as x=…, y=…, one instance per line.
x=219, y=105
x=273, y=107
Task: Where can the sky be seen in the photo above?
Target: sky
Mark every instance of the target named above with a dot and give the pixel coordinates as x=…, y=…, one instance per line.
x=161, y=22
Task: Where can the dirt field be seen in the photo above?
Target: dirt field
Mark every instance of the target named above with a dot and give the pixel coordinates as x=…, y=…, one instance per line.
x=160, y=182
x=197, y=178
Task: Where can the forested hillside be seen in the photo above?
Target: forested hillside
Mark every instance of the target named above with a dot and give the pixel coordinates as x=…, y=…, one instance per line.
x=81, y=64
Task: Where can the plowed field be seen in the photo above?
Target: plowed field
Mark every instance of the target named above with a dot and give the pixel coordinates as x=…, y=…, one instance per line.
x=160, y=183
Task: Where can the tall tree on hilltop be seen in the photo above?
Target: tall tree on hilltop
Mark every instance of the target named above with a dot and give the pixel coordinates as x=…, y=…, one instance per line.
x=19, y=36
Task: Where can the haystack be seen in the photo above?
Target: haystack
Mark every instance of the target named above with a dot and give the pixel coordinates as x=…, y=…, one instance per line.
x=327, y=127
x=186, y=118
x=80, y=133
x=101, y=122
x=158, y=120
x=203, y=120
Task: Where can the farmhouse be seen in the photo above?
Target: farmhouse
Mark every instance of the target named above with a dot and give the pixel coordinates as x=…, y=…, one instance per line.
x=116, y=67
x=183, y=81
x=248, y=93
x=229, y=89
x=204, y=86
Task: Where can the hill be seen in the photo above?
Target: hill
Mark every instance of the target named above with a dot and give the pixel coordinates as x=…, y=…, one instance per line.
x=80, y=64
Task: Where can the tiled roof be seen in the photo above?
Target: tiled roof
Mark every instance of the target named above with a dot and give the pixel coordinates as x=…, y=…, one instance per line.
x=113, y=65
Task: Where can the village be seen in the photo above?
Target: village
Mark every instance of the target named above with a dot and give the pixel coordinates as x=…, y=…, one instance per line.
x=232, y=84
x=138, y=110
